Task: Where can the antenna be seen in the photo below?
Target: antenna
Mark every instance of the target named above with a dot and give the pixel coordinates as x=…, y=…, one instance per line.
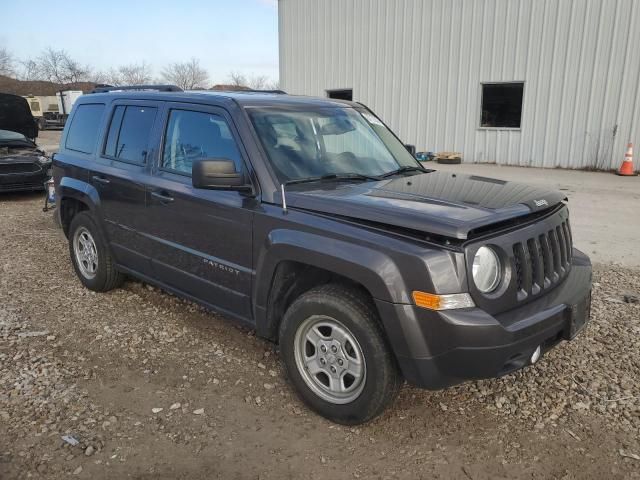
x=284, y=199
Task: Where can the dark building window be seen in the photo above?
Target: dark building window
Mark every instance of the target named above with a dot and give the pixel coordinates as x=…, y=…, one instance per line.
x=342, y=94
x=501, y=105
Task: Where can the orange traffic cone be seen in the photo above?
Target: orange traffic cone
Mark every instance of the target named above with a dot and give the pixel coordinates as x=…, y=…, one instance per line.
x=626, y=169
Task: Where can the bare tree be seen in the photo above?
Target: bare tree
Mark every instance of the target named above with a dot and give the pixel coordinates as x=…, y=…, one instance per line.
x=98, y=76
x=6, y=62
x=255, y=82
x=258, y=82
x=57, y=66
x=136, y=74
x=272, y=85
x=131, y=74
x=29, y=70
x=186, y=75
x=237, y=79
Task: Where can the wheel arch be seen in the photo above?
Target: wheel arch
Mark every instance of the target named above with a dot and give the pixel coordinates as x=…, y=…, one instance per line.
x=295, y=262
x=75, y=196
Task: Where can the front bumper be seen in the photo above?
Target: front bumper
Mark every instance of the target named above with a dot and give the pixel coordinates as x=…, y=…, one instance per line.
x=439, y=349
x=28, y=181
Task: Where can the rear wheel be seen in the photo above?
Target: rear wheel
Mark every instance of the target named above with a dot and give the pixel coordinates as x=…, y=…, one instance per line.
x=336, y=355
x=90, y=255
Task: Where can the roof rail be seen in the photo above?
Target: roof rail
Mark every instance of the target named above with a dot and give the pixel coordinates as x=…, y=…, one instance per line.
x=157, y=88
x=281, y=92
x=253, y=90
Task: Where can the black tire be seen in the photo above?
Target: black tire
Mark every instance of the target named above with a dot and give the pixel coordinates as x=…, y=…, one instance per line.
x=449, y=161
x=106, y=276
x=382, y=378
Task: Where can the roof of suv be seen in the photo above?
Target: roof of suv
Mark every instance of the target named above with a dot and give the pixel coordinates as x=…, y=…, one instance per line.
x=242, y=98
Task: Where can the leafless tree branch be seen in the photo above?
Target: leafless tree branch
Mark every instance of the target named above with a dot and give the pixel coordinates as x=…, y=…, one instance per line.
x=57, y=66
x=6, y=62
x=186, y=75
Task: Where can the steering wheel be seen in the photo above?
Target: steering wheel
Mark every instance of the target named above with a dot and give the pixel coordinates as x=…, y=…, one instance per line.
x=344, y=161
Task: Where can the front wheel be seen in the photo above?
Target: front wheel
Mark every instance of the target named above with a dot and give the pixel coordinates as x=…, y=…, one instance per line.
x=336, y=355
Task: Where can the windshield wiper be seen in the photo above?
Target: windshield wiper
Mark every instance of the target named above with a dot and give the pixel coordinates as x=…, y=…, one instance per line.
x=333, y=176
x=406, y=168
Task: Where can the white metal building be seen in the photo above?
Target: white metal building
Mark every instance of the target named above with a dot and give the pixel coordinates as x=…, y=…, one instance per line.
x=553, y=83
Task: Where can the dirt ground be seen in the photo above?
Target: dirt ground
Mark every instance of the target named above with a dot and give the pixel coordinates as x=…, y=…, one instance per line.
x=98, y=367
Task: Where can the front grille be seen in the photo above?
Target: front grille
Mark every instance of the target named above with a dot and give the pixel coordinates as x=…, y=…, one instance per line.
x=542, y=261
x=10, y=168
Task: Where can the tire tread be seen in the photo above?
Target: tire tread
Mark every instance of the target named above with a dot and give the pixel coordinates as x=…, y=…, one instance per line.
x=112, y=278
x=367, y=318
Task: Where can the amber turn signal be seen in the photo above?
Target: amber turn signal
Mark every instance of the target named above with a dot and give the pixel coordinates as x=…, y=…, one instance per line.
x=450, y=301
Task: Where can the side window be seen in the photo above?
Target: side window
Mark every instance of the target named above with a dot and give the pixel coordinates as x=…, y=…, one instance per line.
x=83, y=131
x=193, y=136
x=129, y=132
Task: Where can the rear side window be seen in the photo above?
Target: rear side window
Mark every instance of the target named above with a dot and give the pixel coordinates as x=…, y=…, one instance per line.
x=193, y=136
x=83, y=131
x=129, y=133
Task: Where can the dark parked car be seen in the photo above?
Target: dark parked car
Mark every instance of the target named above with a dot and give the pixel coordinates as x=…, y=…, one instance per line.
x=15, y=116
x=308, y=220
x=23, y=166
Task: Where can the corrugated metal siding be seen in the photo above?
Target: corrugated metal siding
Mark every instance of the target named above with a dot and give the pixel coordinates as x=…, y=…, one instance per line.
x=419, y=64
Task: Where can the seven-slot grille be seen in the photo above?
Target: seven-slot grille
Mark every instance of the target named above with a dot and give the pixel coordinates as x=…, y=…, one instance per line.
x=9, y=168
x=542, y=261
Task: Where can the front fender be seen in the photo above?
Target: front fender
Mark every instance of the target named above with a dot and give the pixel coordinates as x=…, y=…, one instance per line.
x=370, y=268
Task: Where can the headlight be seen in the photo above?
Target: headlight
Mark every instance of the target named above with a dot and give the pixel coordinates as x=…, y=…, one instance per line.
x=486, y=271
x=43, y=160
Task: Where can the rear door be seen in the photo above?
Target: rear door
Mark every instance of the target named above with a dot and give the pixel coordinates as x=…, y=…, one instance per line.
x=202, y=238
x=120, y=173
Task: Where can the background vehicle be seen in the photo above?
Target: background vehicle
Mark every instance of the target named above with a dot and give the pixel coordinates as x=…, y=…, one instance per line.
x=52, y=110
x=309, y=220
x=66, y=99
x=45, y=110
x=16, y=116
x=23, y=166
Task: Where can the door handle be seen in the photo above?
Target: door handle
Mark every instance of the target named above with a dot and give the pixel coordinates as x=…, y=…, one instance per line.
x=101, y=180
x=162, y=196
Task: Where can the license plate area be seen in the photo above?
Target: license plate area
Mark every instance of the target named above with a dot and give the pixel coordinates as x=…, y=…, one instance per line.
x=578, y=316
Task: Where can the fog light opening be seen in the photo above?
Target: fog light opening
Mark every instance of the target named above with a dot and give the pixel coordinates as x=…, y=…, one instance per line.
x=536, y=355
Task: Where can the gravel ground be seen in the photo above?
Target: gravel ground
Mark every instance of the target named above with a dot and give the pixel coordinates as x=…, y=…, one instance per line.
x=150, y=386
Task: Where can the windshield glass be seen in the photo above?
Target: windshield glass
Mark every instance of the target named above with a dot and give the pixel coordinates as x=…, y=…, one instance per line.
x=9, y=136
x=328, y=141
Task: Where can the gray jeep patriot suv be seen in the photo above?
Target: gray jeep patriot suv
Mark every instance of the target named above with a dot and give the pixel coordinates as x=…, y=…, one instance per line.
x=308, y=220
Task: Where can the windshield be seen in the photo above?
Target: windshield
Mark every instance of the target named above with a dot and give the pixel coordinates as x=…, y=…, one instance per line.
x=7, y=136
x=328, y=141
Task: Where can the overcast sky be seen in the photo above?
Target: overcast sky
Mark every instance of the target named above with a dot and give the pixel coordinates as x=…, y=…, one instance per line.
x=226, y=35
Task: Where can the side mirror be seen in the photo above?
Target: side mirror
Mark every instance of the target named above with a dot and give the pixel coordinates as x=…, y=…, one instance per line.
x=217, y=174
x=411, y=149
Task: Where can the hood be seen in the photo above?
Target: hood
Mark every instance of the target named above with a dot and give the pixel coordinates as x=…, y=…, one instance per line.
x=12, y=139
x=16, y=116
x=440, y=203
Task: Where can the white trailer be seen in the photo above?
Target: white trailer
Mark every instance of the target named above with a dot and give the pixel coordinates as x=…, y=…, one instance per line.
x=66, y=99
x=43, y=108
x=52, y=110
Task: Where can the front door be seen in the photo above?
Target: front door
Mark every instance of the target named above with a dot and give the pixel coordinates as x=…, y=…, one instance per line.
x=202, y=238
